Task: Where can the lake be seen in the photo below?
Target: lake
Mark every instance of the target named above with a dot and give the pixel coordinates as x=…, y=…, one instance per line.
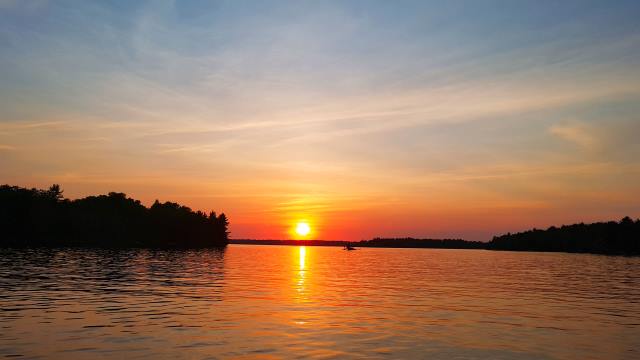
x=317, y=302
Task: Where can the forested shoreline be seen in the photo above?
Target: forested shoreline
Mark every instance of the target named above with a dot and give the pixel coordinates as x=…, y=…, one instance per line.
x=34, y=217
x=610, y=238
x=613, y=238
x=410, y=242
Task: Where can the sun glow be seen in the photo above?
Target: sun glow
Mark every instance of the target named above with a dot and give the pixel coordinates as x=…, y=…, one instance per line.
x=303, y=228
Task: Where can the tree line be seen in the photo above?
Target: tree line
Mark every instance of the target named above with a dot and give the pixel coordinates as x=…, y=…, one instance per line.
x=622, y=238
x=410, y=242
x=612, y=238
x=35, y=217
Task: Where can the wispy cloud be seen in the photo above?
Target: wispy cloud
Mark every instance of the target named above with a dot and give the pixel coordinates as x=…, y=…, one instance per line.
x=578, y=133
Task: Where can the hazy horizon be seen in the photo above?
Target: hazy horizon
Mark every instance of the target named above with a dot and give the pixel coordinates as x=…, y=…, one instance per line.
x=407, y=119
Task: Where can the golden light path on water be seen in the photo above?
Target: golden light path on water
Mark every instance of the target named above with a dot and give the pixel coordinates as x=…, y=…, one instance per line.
x=301, y=273
x=303, y=254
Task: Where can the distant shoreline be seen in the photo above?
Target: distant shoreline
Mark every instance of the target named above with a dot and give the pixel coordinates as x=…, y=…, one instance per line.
x=606, y=238
x=380, y=243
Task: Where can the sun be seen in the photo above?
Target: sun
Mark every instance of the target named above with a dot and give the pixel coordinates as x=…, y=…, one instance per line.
x=303, y=229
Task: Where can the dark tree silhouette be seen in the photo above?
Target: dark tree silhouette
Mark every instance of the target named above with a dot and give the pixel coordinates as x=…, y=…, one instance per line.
x=33, y=217
x=421, y=243
x=611, y=237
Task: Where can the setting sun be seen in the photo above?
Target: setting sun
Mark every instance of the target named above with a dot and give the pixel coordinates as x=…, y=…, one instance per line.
x=303, y=229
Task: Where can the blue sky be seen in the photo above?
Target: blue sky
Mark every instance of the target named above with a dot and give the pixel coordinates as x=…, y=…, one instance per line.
x=510, y=113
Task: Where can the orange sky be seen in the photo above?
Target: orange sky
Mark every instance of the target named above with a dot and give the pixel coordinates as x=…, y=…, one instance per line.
x=429, y=120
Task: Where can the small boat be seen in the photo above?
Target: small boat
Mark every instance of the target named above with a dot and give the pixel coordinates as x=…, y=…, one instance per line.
x=349, y=247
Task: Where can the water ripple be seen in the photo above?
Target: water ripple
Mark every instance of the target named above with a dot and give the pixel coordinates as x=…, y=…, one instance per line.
x=284, y=302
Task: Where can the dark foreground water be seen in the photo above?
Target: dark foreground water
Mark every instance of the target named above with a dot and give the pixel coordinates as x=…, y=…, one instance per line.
x=318, y=302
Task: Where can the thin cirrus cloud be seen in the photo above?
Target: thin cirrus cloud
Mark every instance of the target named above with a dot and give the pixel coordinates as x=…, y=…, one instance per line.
x=336, y=109
x=578, y=133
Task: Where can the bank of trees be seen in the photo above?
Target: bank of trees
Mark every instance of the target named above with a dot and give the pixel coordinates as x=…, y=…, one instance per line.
x=622, y=237
x=613, y=238
x=421, y=243
x=34, y=217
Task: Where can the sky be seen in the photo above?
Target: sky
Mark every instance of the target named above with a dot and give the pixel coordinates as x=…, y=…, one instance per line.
x=456, y=119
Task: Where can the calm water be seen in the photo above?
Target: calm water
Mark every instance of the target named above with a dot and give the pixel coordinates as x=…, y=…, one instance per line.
x=318, y=302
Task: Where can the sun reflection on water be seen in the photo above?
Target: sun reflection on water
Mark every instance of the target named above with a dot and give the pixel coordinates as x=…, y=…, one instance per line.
x=303, y=254
x=300, y=280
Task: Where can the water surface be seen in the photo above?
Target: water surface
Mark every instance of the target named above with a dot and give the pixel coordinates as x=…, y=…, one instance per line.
x=318, y=302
